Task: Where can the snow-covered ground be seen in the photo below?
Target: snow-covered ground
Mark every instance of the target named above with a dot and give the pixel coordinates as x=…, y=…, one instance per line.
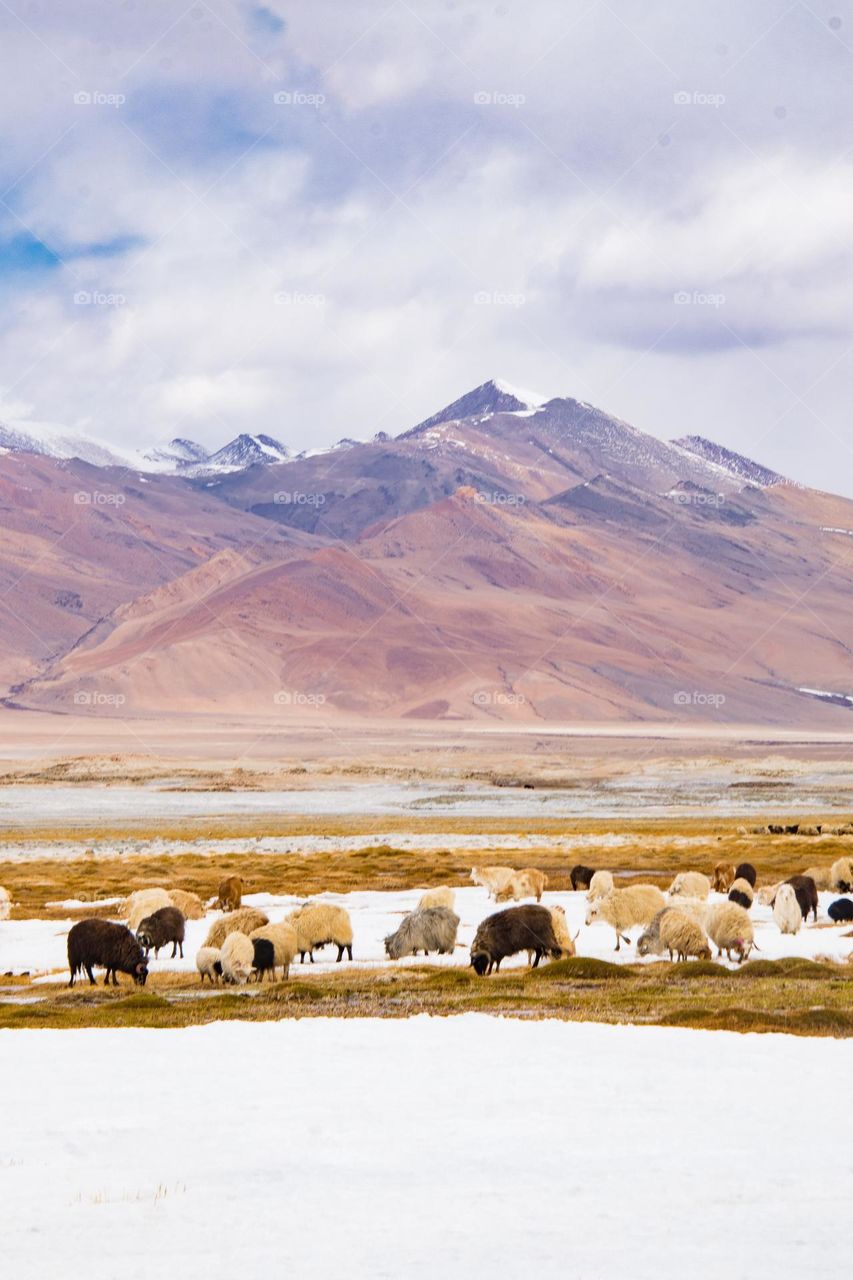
x=459, y=1147
x=38, y=946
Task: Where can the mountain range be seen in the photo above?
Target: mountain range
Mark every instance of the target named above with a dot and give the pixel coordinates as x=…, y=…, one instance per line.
x=509, y=558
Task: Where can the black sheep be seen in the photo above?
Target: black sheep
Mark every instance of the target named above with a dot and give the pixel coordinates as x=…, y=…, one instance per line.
x=528, y=928
x=264, y=959
x=161, y=928
x=806, y=891
x=582, y=876
x=100, y=942
x=746, y=871
x=841, y=911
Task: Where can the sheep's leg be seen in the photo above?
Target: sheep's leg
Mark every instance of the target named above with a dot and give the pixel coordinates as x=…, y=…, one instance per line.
x=340, y=955
x=538, y=957
x=91, y=975
x=618, y=939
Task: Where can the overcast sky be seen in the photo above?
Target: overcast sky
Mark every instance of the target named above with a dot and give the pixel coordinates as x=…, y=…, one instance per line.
x=318, y=220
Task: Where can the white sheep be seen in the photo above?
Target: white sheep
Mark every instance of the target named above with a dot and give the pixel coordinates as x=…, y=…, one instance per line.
x=237, y=958
x=5, y=903
x=690, y=884
x=683, y=937
x=439, y=897
x=599, y=886
x=730, y=929
x=841, y=873
x=206, y=961
x=786, y=910
x=622, y=908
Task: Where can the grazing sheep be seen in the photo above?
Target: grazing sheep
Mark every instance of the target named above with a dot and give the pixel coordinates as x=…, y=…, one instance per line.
x=622, y=908
x=100, y=942
x=230, y=893
x=809, y=830
x=142, y=904
x=565, y=940
x=730, y=929
x=600, y=885
x=690, y=884
x=5, y=904
x=527, y=928
x=683, y=937
x=189, y=904
x=318, y=925
x=724, y=877
x=841, y=911
x=492, y=878
x=528, y=883
x=161, y=928
x=786, y=910
x=283, y=938
x=427, y=929
x=209, y=964
x=440, y=897
x=741, y=892
x=581, y=876
x=767, y=894
x=806, y=890
x=746, y=871
x=822, y=876
x=237, y=958
x=841, y=873
x=649, y=943
x=242, y=921
x=263, y=960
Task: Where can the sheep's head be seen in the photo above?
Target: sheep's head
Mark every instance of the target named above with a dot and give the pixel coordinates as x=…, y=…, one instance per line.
x=704, y=953
x=593, y=911
x=140, y=973
x=480, y=962
x=676, y=887
x=390, y=949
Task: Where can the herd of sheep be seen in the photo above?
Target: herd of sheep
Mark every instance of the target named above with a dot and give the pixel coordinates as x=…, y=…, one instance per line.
x=244, y=944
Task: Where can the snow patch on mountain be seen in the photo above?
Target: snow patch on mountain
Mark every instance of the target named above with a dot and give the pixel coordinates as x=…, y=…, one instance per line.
x=733, y=464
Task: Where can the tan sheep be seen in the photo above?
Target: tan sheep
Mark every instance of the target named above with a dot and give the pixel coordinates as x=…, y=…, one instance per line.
x=600, y=885
x=561, y=933
x=319, y=924
x=767, y=893
x=822, y=877
x=492, y=878
x=189, y=904
x=842, y=875
x=528, y=883
x=284, y=941
x=242, y=921
x=723, y=878
x=237, y=958
x=690, y=884
x=786, y=910
x=141, y=904
x=623, y=908
x=439, y=897
x=683, y=937
x=730, y=929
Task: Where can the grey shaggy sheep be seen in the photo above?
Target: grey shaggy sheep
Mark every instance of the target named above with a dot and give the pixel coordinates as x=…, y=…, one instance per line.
x=427, y=929
x=100, y=942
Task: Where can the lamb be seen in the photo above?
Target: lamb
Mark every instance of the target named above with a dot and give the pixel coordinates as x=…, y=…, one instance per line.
x=600, y=884
x=822, y=876
x=209, y=964
x=683, y=937
x=806, y=890
x=561, y=932
x=741, y=893
x=786, y=910
x=263, y=960
x=189, y=904
x=318, y=925
x=142, y=904
x=724, y=877
x=527, y=928
x=730, y=929
x=841, y=873
x=440, y=897
x=427, y=929
x=841, y=911
x=161, y=928
x=237, y=958
x=581, y=876
x=242, y=921
x=101, y=942
x=649, y=942
x=230, y=893
x=622, y=908
x=5, y=904
x=492, y=878
x=746, y=871
x=528, y=883
x=690, y=884
x=283, y=938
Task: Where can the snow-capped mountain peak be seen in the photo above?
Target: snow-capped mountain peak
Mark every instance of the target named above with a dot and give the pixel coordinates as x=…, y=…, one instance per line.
x=734, y=464
x=494, y=396
x=245, y=450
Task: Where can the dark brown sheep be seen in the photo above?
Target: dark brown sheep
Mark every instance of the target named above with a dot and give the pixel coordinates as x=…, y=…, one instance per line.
x=528, y=928
x=581, y=876
x=161, y=928
x=100, y=942
x=746, y=871
x=230, y=893
x=806, y=891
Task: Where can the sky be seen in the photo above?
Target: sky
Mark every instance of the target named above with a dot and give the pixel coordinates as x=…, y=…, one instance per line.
x=326, y=220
